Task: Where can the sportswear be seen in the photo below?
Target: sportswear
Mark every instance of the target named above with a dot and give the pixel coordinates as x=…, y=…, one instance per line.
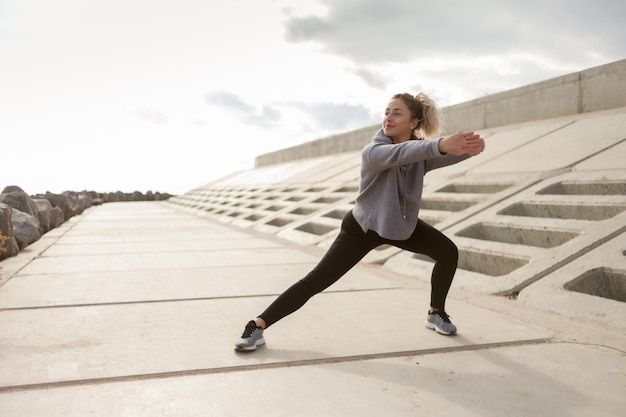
x=390, y=190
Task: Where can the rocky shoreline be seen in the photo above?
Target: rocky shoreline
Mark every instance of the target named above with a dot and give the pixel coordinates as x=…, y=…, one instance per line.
x=25, y=218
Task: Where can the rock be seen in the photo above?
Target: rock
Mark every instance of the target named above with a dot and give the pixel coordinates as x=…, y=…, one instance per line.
x=56, y=217
x=79, y=201
x=61, y=201
x=84, y=201
x=16, y=198
x=114, y=197
x=25, y=227
x=8, y=245
x=44, y=207
x=74, y=203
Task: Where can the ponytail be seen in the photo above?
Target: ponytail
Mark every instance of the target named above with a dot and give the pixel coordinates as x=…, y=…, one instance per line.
x=425, y=109
x=430, y=124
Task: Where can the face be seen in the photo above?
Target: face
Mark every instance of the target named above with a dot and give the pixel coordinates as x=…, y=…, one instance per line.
x=398, y=123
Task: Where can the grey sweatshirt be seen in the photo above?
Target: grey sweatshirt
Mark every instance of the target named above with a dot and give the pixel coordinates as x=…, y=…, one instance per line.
x=392, y=178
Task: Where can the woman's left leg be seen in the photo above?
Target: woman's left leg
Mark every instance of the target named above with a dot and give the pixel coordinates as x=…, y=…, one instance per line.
x=431, y=242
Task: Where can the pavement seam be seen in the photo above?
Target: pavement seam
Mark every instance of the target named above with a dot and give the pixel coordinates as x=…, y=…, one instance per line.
x=149, y=270
x=265, y=366
x=175, y=300
x=144, y=252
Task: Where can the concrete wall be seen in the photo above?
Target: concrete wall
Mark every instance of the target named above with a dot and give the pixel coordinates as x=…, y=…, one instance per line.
x=344, y=142
x=599, y=88
x=594, y=89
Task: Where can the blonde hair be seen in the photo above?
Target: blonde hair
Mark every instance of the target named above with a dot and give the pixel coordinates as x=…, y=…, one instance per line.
x=423, y=108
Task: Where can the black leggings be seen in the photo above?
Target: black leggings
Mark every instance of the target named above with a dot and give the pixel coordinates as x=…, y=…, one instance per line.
x=350, y=247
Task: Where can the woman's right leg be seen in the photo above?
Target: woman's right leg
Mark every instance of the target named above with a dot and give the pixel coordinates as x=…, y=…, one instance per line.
x=350, y=246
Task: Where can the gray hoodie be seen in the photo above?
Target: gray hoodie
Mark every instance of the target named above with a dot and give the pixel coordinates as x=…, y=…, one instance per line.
x=392, y=178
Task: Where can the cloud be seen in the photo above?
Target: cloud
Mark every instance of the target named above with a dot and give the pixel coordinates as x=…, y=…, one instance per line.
x=310, y=117
x=371, y=78
x=337, y=116
x=152, y=115
x=266, y=117
x=228, y=100
x=199, y=123
x=370, y=31
x=325, y=116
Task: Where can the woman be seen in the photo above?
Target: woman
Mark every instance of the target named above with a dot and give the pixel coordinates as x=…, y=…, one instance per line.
x=386, y=212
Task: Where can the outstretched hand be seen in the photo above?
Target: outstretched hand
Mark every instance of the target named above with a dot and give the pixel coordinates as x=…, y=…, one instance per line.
x=462, y=143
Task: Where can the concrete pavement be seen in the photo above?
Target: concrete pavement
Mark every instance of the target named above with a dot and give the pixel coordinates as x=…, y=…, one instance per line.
x=131, y=309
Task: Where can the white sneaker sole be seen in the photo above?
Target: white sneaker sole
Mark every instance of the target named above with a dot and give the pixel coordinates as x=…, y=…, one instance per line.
x=241, y=348
x=431, y=326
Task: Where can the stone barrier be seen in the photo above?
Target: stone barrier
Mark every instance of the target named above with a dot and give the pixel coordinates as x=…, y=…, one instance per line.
x=24, y=218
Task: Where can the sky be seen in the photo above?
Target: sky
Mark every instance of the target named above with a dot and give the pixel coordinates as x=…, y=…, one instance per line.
x=168, y=95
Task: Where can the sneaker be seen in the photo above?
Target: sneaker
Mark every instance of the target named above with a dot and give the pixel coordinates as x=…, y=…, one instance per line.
x=440, y=322
x=251, y=338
